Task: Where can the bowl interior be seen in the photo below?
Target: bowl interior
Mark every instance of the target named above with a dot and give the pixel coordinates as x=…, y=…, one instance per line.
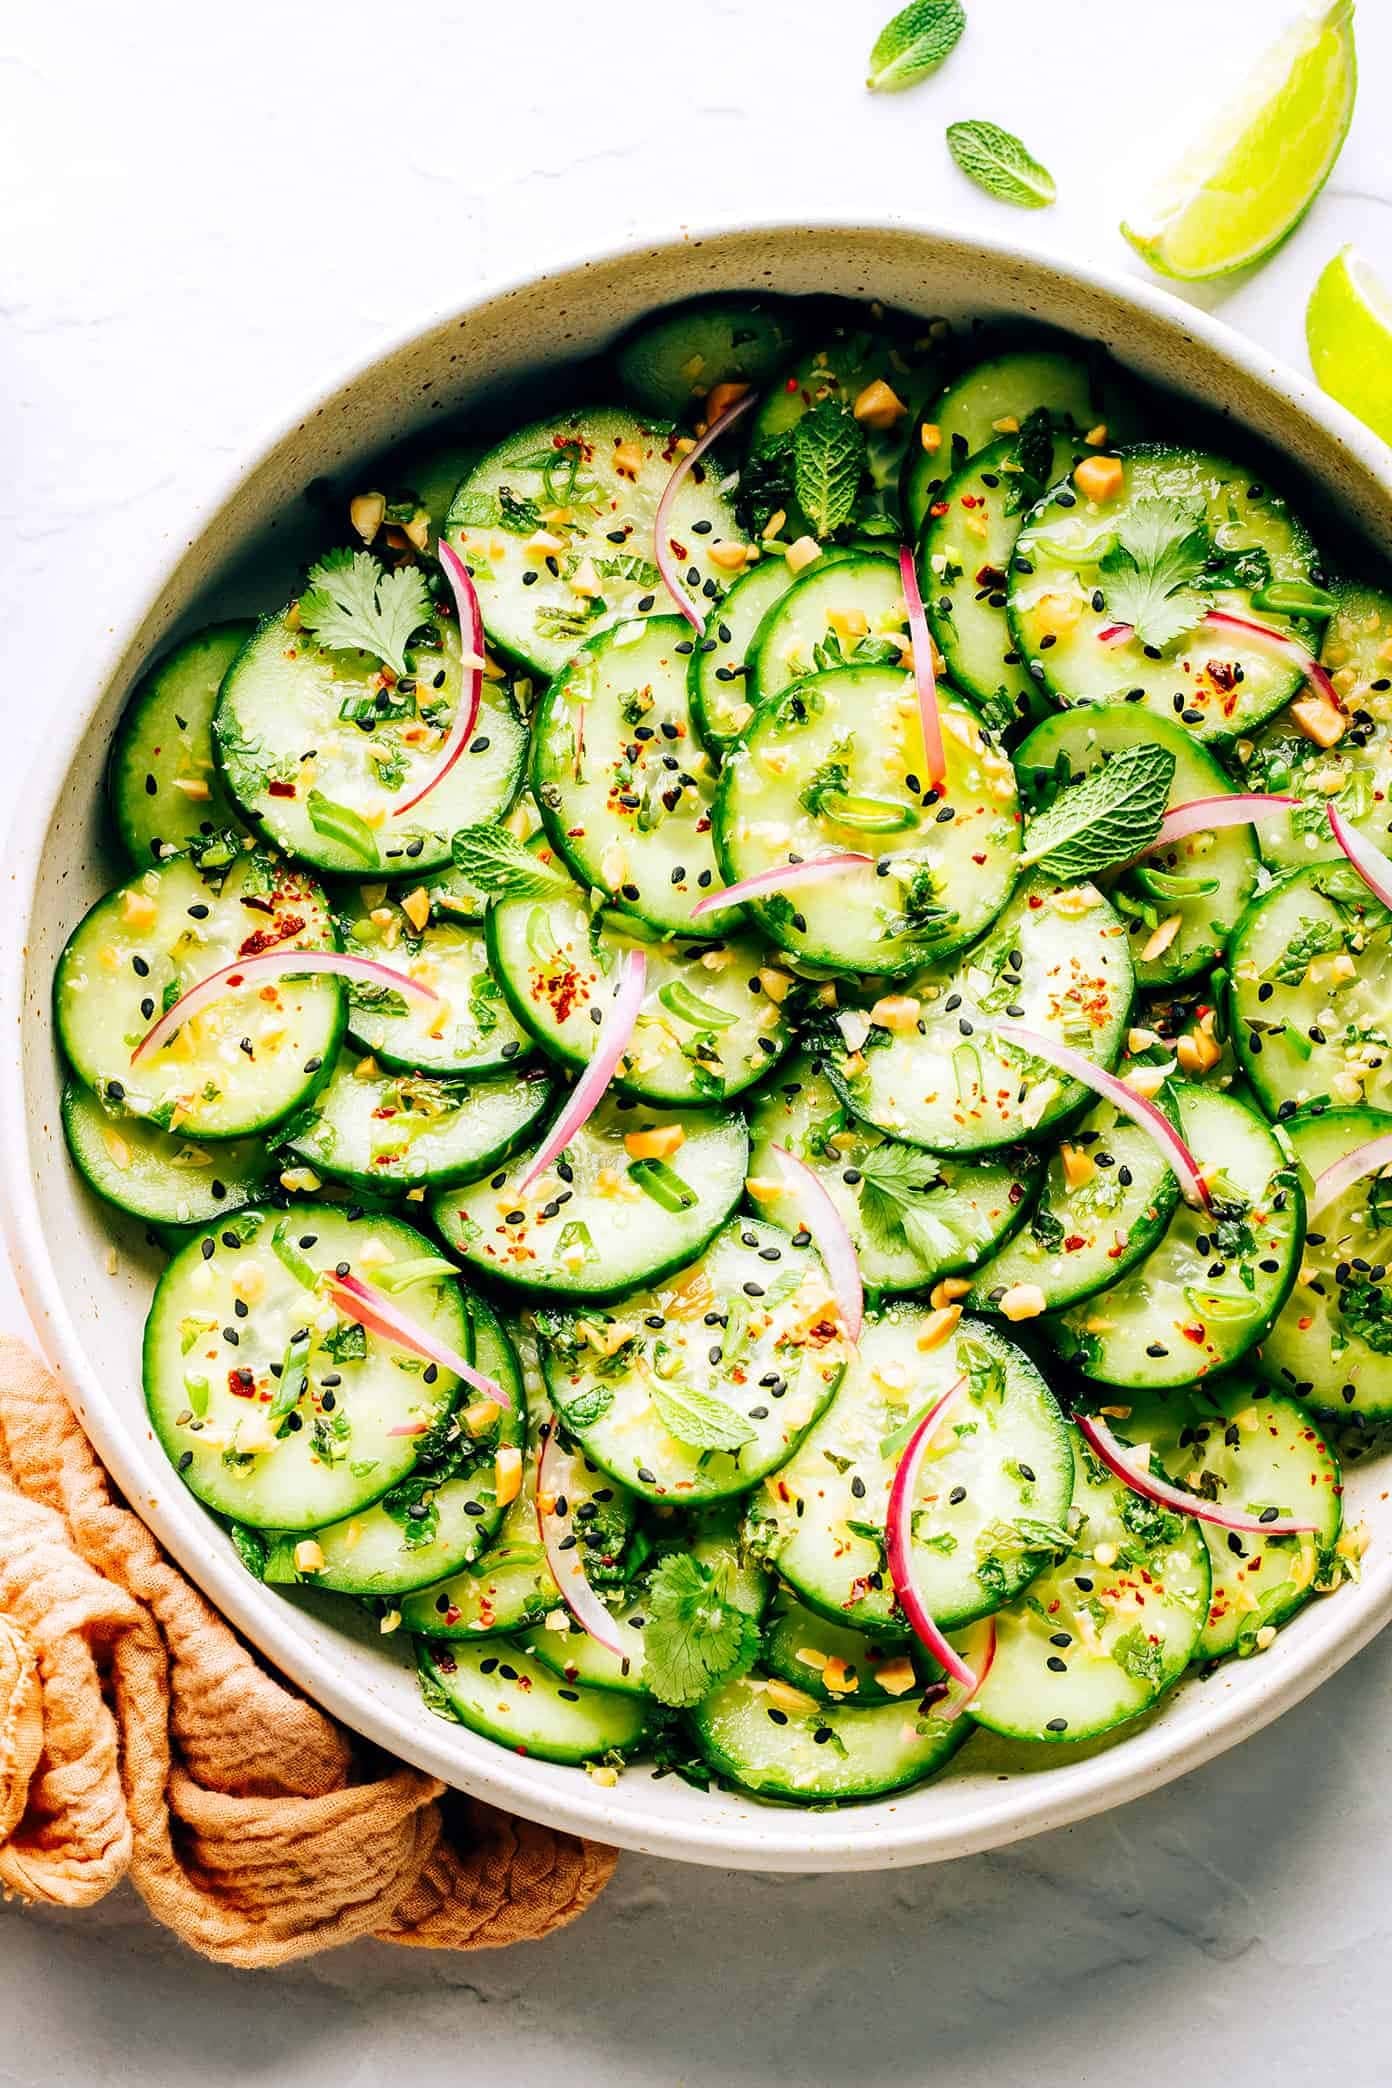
x=90, y=1314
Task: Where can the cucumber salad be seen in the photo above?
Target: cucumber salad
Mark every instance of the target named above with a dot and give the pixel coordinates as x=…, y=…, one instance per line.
x=757, y=1023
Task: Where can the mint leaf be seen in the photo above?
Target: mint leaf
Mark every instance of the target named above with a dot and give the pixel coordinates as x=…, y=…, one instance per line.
x=697, y=1418
x=695, y=1635
x=828, y=462
x=504, y=867
x=915, y=43
x=997, y=162
x=1106, y=818
x=1161, y=550
x=352, y=605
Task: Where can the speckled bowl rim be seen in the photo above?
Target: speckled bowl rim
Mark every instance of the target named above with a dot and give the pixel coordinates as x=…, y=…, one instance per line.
x=639, y=1813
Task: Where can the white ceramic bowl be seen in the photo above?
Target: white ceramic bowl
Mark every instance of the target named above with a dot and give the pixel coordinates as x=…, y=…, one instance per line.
x=89, y=1319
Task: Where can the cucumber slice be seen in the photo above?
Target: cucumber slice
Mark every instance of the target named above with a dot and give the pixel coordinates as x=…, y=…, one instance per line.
x=1103, y=1633
x=843, y=368
x=998, y=1475
x=444, y=1513
x=166, y=794
x=1332, y=1344
x=825, y=1752
x=1081, y=394
x=599, y=1222
x=452, y=896
x=149, y=941
x=1211, y=1289
x=304, y=733
x=431, y=471
x=1236, y=1442
x=574, y=500
x=395, y=1131
x=669, y=362
x=845, y=611
x=1074, y=555
x=913, y=1217
x=802, y=1647
x=833, y=765
x=624, y=791
x=471, y=1030
x=220, y=1350
x=1311, y=993
x=691, y=1391
x=712, y=1019
x=1108, y=1197
x=1056, y=960
x=508, y=1696
x=159, y=1176
x=720, y=680
x=1354, y=775
x=1204, y=881
x=964, y=559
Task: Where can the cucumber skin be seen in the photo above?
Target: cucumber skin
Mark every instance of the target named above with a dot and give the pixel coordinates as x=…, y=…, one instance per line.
x=128, y=724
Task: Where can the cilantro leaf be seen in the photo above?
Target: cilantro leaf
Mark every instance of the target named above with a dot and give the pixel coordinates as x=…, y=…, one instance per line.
x=895, y=1180
x=698, y=1418
x=1161, y=550
x=696, y=1635
x=996, y=161
x=828, y=461
x=1107, y=817
x=915, y=43
x=352, y=605
x=504, y=867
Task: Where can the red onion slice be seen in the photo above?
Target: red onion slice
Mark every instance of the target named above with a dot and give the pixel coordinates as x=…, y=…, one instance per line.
x=1207, y=815
x=663, y=555
x=1367, y=859
x=1281, y=645
x=588, y=1092
x=899, y=1544
x=1099, y=1439
x=553, y=1485
x=948, y=1700
x=1139, y=1108
x=934, y=752
x=833, y=1242
x=471, y=689
x=379, y=1314
x=1342, y=1174
x=812, y=871
x=262, y=970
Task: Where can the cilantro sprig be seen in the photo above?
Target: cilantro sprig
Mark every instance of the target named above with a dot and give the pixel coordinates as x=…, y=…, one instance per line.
x=1160, y=554
x=696, y=1633
x=352, y=605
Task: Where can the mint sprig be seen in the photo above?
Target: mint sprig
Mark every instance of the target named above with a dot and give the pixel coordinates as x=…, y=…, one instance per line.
x=828, y=463
x=1107, y=818
x=998, y=162
x=915, y=44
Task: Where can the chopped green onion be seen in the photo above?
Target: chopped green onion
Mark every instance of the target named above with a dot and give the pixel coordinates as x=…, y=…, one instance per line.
x=342, y=824
x=196, y=1390
x=868, y=815
x=575, y=1233
x=663, y=1184
x=1166, y=884
x=1218, y=1305
x=679, y=1000
x=422, y=1268
x=294, y=1376
x=1295, y=598
x=540, y=941
x=289, y=1255
x=966, y=1058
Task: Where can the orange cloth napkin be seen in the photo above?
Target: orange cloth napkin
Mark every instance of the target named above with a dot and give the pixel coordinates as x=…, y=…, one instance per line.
x=140, y=1738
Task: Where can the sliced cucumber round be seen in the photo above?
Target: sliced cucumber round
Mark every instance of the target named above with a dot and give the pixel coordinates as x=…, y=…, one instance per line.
x=1105, y=1630
x=395, y=1131
x=1311, y=995
x=1202, y=883
x=156, y=1175
x=455, y=897
x=993, y=1491
x=1184, y=533
x=1082, y=394
x=846, y=610
x=913, y=1216
x=813, y=1752
x=1057, y=961
x=833, y=1662
x=691, y=1391
x=833, y=766
x=670, y=362
x=251, y=1057
x=721, y=683
x=166, y=794
x=508, y=1696
x=317, y=752
x=556, y=527
x=1211, y=1289
x=625, y=792
x=273, y=1409
x=601, y=1220
x=1237, y=1443
x=712, y=1018
x=469, y=1029
x=1332, y=1344
x=1108, y=1197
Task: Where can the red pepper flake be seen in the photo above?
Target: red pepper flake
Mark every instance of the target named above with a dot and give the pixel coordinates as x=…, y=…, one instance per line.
x=286, y=928
x=286, y=790
x=241, y=1384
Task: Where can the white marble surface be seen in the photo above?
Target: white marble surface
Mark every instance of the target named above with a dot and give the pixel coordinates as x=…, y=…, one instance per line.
x=204, y=210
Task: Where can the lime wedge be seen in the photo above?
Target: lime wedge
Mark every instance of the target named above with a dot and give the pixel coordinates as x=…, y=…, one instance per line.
x=1349, y=329
x=1262, y=161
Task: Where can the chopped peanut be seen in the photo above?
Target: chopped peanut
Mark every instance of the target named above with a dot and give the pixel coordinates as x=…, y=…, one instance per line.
x=1163, y=936
x=896, y=1677
x=1197, y=1051
x=722, y=397
x=1056, y=614
x=116, y=1146
x=628, y=459
x=507, y=1474
x=416, y=907
x=303, y=1179
x=585, y=580
x=896, y=1011
x=195, y=788
x=879, y=406
x=367, y=512
x=1078, y=1166
x=730, y=557
x=848, y=623
x=839, y=1679
x=1320, y=720
x=1006, y=425
x=937, y=1327
x=930, y=435
x=1022, y=1301
x=1139, y=1039
x=776, y=984
x=138, y=911
x=479, y=1417
x=795, y=1701
x=309, y=1556
x=948, y=1291
x=802, y=554
x=1100, y=478
x=1095, y=437
x=765, y=1191
x=658, y=1143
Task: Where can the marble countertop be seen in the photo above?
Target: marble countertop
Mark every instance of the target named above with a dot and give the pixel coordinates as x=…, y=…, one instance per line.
x=204, y=210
